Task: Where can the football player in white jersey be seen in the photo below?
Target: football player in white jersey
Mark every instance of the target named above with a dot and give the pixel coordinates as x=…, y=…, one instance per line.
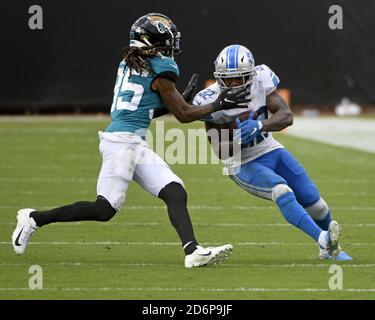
x=267, y=169
x=145, y=83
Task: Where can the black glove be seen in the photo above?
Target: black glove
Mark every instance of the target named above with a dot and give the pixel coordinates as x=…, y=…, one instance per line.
x=230, y=99
x=189, y=91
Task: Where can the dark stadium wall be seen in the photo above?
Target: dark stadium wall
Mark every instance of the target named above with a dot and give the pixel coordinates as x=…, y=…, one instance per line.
x=72, y=61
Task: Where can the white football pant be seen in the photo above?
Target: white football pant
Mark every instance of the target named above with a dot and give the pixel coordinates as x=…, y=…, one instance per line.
x=130, y=159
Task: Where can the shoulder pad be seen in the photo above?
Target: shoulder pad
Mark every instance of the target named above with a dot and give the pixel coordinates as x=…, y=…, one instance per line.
x=267, y=77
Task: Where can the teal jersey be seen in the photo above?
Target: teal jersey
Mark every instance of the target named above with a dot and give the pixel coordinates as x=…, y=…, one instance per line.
x=134, y=101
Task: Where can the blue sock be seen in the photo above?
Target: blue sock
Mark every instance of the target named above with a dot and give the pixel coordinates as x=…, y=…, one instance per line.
x=296, y=215
x=323, y=224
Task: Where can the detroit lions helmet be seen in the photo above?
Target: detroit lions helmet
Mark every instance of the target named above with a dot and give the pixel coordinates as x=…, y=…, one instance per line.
x=232, y=62
x=156, y=30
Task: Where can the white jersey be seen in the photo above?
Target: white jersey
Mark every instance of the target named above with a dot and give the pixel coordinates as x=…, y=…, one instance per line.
x=265, y=82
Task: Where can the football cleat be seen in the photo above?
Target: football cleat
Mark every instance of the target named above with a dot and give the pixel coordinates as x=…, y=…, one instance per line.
x=208, y=256
x=25, y=229
x=342, y=256
x=329, y=241
x=333, y=239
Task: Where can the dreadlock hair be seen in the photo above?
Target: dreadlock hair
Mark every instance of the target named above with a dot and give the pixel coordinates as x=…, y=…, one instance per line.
x=136, y=58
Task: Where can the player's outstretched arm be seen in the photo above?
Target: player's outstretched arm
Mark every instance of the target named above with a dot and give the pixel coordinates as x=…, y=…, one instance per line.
x=185, y=112
x=188, y=95
x=282, y=115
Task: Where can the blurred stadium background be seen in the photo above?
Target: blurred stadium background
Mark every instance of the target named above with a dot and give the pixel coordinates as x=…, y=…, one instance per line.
x=71, y=64
x=69, y=69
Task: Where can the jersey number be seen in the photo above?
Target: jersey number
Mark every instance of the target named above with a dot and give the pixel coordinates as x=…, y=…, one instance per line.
x=127, y=95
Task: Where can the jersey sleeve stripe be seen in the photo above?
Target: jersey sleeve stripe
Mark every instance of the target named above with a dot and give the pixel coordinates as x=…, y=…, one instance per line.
x=170, y=75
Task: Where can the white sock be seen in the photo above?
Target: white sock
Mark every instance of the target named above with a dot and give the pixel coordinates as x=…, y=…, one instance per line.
x=323, y=239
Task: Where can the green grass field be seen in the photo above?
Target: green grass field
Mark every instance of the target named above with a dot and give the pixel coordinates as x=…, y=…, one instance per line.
x=137, y=255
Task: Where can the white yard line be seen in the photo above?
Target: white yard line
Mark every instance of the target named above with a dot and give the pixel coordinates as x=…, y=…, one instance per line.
x=346, y=132
x=156, y=243
x=250, y=265
x=165, y=289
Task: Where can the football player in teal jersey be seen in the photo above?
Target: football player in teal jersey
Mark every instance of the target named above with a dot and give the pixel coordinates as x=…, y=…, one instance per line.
x=145, y=83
